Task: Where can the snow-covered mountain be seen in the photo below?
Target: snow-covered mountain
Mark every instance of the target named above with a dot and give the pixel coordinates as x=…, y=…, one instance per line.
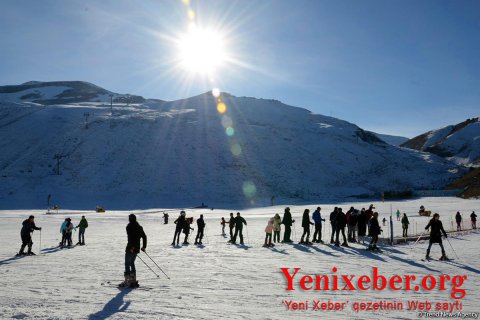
x=393, y=140
x=58, y=92
x=183, y=153
x=459, y=143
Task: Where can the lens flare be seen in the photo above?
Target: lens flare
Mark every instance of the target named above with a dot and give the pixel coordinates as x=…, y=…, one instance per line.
x=221, y=107
x=230, y=131
x=236, y=149
x=249, y=189
x=227, y=121
x=216, y=92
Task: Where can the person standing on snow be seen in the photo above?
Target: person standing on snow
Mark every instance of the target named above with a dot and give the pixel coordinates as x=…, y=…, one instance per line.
x=340, y=223
x=333, y=218
x=180, y=224
x=187, y=228
x=405, y=224
x=398, y=215
x=287, y=221
x=81, y=233
x=473, y=218
x=317, y=219
x=277, y=227
x=231, y=225
x=165, y=218
x=352, y=226
x=239, y=221
x=223, y=223
x=200, y=229
x=362, y=225
x=458, y=219
x=68, y=232
x=28, y=226
x=268, y=233
x=375, y=231
x=306, y=227
x=134, y=234
x=436, y=230
x=63, y=231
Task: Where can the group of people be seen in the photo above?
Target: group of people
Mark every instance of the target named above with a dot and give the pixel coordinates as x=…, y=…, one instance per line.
x=459, y=219
x=183, y=224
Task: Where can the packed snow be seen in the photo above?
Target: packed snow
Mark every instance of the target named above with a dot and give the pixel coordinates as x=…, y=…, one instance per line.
x=217, y=280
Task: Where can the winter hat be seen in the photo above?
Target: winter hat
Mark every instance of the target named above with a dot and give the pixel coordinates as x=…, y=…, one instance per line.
x=182, y=213
x=132, y=218
x=31, y=217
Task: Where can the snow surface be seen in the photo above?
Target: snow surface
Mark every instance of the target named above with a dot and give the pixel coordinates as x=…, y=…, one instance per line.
x=215, y=281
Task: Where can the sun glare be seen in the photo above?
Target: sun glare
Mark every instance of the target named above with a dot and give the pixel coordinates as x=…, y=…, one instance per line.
x=201, y=51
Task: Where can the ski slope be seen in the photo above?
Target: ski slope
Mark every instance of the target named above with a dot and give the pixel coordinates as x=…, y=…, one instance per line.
x=217, y=280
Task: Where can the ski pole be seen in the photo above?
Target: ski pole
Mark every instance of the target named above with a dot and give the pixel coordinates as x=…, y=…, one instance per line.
x=148, y=266
x=419, y=237
x=157, y=265
x=206, y=236
x=248, y=238
x=452, y=248
x=40, y=245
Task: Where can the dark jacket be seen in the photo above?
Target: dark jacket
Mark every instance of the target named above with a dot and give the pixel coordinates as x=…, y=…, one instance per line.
x=200, y=224
x=458, y=217
x=333, y=217
x=353, y=218
x=231, y=222
x=239, y=221
x=134, y=233
x=473, y=217
x=317, y=217
x=374, y=227
x=306, y=220
x=180, y=222
x=405, y=222
x=340, y=220
x=27, y=228
x=83, y=224
x=436, y=230
x=287, y=218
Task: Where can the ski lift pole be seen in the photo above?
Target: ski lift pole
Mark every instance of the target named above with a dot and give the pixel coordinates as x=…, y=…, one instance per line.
x=148, y=266
x=156, y=265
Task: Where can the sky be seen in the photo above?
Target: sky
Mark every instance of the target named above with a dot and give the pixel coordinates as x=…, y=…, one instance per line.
x=399, y=67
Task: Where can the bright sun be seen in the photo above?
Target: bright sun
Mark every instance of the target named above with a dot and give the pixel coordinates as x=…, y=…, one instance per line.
x=201, y=51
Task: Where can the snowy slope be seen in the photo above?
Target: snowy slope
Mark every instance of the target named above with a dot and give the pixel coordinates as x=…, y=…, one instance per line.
x=55, y=92
x=459, y=143
x=393, y=140
x=216, y=281
x=185, y=152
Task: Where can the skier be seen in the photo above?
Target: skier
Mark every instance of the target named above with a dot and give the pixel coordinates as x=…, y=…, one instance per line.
x=398, y=215
x=28, y=226
x=277, y=227
x=436, y=235
x=239, y=221
x=405, y=224
x=348, y=214
x=317, y=219
x=306, y=227
x=231, y=225
x=63, y=231
x=362, y=225
x=352, y=225
x=458, y=219
x=374, y=230
x=81, y=233
x=165, y=218
x=340, y=223
x=384, y=221
x=368, y=216
x=268, y=233
x=473, y=218
x=223, y=223
x=134, y=233
x=200, y=229
x=287, y=221
x=333, y=217
x=180, y=223
x=187, y=228
x=68, y=232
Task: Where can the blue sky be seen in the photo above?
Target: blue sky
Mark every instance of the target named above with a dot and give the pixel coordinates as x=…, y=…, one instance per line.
x=395, y=67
